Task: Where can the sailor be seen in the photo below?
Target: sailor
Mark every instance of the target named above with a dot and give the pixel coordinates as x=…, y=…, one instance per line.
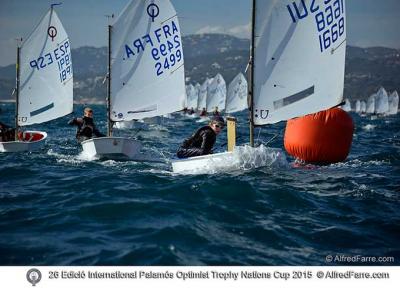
x=216, y=112
x=203, y=140
x=6, y=133
x=191, y=111
x=85, y=126
x=203, y=112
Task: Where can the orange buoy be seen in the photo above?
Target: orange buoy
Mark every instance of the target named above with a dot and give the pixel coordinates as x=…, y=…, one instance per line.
x=321, y=138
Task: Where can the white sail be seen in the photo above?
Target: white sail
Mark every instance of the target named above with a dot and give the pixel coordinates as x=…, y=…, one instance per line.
x=393, y=103
x=46, y=76
x=236, y=99
x=197, y=87
x=370, y=109
x=358, y=106
x=147, y=71
x=347, y=105
x=202, y=101
x=381, y=101
x=216, y=94
x=186, y=96
x=299, y=58
x=363, y=107
x=192, y=96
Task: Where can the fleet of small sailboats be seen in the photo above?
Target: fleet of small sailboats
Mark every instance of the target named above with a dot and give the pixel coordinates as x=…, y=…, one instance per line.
x=379, y=103
x=213, y=95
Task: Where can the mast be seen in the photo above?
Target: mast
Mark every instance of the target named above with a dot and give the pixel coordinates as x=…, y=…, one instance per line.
x=226, y=96
x=251, y=76
x=109, y=122
x=17, y=91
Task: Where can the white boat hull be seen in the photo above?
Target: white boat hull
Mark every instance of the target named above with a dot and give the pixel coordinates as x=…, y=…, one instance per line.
x=200, y=163
x=242, y=158
x=111, y=148
x=29, y=141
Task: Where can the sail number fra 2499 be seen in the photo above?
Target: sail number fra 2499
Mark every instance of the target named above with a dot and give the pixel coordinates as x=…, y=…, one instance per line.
x=165, y=44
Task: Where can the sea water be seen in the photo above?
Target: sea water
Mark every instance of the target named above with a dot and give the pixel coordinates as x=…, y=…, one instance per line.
x=59, y=208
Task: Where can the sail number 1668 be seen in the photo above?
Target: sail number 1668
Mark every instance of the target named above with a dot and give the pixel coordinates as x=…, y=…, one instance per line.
x=331, y=35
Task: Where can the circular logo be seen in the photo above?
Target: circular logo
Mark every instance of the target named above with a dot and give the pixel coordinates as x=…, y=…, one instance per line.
x=153, y=11
x=33, y=276
x=52, y=32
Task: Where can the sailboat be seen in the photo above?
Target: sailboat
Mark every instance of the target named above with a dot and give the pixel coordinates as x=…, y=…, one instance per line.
x=363, y=107
x=145, y=73
x=236, y=98
x=191, y=97
x=44, y=82
x=371, y=104
x=393, y=103
x=381, y=102
x=216, y=95
x=358, y=106
x=197, y=87
x=297, y=62
x=202, y=98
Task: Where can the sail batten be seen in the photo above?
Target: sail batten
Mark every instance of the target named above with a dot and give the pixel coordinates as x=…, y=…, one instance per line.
x=41, y=110
x=294, y=98
x=299, y=57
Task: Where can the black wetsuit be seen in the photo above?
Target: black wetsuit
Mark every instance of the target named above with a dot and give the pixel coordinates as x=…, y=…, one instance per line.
x=86, y=128
x=6, y=133
x=200, y=143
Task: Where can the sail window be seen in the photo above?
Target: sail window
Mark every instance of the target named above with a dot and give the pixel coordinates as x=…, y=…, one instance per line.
x=294, y=98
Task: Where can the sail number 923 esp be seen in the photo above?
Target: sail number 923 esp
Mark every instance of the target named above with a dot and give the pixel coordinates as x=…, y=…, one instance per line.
x=60, y=55
x=167, y=55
